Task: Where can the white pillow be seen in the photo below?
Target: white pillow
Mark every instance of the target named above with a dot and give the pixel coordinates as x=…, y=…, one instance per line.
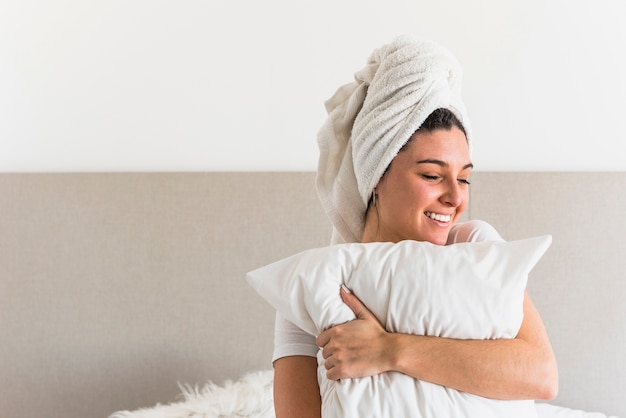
x=465, y=290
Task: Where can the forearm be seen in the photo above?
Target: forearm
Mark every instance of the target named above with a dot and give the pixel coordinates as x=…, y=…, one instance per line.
x=500, y=369
x=519, y=368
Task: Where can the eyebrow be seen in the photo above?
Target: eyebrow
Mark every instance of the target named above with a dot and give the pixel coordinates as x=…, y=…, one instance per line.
x=442, y=163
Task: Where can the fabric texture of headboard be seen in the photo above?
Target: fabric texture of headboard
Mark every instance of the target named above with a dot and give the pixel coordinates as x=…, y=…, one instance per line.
x=116, y=287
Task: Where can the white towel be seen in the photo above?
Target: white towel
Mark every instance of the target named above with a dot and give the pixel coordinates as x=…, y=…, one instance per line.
x=370, y=119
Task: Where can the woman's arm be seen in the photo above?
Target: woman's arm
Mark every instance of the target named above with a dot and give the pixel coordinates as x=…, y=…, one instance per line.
x=296, y=391
x=519, y=368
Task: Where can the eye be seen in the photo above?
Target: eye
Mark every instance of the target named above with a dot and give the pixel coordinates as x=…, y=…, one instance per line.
x=431, y=177
x=464, y=181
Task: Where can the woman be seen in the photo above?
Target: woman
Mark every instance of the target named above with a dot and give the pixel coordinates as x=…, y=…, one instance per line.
x=395, y=165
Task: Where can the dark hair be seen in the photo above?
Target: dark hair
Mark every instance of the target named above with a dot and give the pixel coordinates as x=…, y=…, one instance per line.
x=440, y=119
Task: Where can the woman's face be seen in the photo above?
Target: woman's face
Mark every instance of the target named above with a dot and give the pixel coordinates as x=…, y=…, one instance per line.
x=425, y=189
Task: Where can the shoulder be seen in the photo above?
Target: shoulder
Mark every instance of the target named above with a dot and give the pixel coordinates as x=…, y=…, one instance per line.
x=473, y=231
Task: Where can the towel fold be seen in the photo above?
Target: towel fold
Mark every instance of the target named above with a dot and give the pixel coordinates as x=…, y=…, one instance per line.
x=370, y=119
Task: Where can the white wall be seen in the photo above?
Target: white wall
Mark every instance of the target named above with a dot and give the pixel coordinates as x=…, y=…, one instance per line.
x=213, y=85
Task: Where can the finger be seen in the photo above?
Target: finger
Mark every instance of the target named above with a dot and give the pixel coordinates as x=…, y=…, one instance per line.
x=326, y=353
x=354, y=303
x=322, y=339
x=332, y=373
x=328, y=363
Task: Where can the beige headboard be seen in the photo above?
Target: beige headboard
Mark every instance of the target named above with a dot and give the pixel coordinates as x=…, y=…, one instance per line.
x=117, y=286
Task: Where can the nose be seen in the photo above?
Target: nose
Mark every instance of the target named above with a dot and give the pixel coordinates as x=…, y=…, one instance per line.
x=453, y=195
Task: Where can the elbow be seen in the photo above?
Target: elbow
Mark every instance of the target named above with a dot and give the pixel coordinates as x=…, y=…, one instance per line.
x=540, y=378
x=547, y=391
x=547, y=382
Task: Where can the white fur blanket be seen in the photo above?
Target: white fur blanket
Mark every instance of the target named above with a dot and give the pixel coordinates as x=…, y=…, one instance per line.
x=251, y=397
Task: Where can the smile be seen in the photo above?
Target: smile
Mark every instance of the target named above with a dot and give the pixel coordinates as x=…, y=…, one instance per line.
x=438, y=217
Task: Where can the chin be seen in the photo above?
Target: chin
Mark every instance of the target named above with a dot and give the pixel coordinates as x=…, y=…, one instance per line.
x=433, y=240
x=438, y=239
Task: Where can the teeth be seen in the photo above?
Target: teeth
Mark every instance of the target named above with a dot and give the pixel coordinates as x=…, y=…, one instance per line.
x=438, y=217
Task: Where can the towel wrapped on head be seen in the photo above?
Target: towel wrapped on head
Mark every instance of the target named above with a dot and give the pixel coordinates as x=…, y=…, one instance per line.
x=372, y=118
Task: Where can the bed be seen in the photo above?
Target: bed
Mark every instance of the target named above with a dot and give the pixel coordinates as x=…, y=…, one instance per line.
x=125, y=293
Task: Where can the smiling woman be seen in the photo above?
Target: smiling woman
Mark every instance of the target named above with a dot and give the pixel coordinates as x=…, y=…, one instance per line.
x=394, y=166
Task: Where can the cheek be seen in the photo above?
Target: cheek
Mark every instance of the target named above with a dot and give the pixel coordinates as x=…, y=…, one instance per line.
x=466, y=196
x=412, y=197
x=421, y=195
x=464, y=203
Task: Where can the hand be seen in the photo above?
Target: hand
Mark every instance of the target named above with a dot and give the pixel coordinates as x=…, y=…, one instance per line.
x=357, y=348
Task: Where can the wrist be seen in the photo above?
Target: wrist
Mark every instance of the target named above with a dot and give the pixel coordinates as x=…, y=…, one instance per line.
x=402, y=352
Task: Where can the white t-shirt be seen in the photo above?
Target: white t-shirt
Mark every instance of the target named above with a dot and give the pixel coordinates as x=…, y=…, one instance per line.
x=289, y=340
